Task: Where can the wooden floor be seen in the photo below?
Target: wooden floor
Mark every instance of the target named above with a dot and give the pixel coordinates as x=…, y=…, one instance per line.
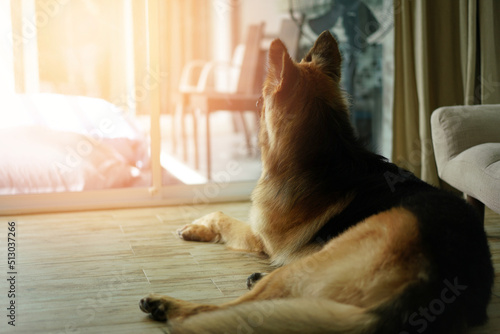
x=85, y=272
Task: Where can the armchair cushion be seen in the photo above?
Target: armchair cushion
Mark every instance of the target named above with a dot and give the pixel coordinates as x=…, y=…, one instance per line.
x=476, y=172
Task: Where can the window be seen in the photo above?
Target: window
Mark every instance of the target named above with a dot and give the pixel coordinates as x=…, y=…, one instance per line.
x=100, y=116
x=364, y=29
x=92, y=121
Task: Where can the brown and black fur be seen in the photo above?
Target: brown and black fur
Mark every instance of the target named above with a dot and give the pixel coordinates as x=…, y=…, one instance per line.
x=363, y=246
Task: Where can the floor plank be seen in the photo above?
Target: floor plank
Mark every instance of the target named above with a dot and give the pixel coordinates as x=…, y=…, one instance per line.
x=85, y=272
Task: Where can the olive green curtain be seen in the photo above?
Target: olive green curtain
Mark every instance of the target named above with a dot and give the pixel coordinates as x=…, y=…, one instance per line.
x=446, y=53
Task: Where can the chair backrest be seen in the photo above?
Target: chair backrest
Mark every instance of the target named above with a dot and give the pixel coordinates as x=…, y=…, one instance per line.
x=249, y=73
x=238, y=54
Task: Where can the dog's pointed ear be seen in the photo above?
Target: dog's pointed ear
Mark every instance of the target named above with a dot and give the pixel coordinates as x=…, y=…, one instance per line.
x=282, y=69
x=326, y=53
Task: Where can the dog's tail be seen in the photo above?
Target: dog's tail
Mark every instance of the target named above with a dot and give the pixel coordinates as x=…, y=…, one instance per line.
x=281, y=316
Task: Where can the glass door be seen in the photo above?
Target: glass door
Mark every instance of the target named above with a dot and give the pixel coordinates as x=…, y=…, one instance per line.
x=91, y=118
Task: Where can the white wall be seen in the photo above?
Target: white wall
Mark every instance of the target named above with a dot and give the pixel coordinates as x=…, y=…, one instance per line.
x=250, y=12
x=221, y=30
x=6, y=51
x=256, y=11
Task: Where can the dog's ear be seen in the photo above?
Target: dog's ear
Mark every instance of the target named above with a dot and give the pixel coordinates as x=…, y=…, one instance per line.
x=326, y=53
x=282, y=70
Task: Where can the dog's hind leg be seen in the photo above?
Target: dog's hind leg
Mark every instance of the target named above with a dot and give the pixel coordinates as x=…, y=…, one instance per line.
x=295, y=298
x=164, y=308
x=221, y=228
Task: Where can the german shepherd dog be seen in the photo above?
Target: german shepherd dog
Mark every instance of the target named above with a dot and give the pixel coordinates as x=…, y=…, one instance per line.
x=362, y=245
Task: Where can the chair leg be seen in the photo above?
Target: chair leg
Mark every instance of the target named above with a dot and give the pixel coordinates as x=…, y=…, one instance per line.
x=209, y=154
x=184, y=136
x=175, y=116
x=236, y=125
x=247, y=132
x=195, y=139
x=479, y=206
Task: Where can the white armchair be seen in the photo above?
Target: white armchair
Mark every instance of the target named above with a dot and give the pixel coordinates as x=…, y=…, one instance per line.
x=466, y=143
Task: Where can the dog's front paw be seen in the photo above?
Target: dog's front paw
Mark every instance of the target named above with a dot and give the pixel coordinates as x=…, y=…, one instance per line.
x=156, y=306
x=253, y=279
x=194, y=232
x=203, y=229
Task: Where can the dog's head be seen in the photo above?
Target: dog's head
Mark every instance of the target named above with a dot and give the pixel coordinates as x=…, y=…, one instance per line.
x=303, y=105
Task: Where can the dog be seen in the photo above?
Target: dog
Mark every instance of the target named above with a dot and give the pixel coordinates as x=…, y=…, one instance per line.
x=361, y=245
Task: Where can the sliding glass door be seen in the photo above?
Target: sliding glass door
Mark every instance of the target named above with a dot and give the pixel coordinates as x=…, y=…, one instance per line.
x=90, y=116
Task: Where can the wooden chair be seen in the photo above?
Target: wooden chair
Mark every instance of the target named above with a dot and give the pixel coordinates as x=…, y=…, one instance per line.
x=200, y=98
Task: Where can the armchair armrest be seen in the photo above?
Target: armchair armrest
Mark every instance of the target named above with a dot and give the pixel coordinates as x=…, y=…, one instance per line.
x=196, y=75
x=456, y=129
x=187, y=84
x=225, y=69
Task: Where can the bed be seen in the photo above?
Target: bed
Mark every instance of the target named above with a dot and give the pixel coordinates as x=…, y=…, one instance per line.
x=59, y=143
